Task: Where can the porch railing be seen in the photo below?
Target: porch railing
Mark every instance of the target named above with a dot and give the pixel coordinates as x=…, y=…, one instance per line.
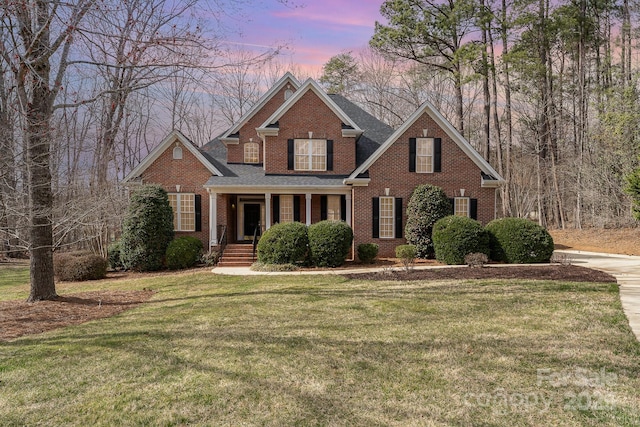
x=222, y=242
x=255, y=241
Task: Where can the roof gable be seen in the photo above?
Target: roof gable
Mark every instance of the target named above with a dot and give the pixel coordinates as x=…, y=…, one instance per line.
x=270, y=126
x=428, y=108
x=287, y=79
x=170, y=139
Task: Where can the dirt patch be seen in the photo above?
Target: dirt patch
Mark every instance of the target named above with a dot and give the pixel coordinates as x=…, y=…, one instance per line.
x=570, y=273
x=18, y=318
x=624, y=241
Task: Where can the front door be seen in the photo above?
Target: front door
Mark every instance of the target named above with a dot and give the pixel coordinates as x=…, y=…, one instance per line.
x=251, y=219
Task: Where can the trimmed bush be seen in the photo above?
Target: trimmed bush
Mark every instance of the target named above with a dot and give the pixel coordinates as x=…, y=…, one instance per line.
x=283, y=244
x=113, y=256
x=367, y=252
x=454, y=237
x=406, y=254
x=519, y=241
x=428, y=203
x=183, y=252
x=147, y=229
x=329, y=243
x=79, y=266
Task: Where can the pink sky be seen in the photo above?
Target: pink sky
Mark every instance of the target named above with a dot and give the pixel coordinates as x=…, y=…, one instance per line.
x=314, y=31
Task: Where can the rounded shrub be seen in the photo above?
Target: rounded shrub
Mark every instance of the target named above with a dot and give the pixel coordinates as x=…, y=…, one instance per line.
x=519, y=241
x=329, y=243
x=79, y=266
x=285, y=243
x=147, y=229
x=428, y=203
x=406, y=254
x=183, y=252
x=367, y=252
x=113, y=255
x=454, y=237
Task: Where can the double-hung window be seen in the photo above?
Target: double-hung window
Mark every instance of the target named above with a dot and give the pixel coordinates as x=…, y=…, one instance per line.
x=310, y=155
x=461, y=206
x=286, y=208
x=251, y=152
x=424, y=155
x=386, y=218
x=184, y=211
x=333, y=208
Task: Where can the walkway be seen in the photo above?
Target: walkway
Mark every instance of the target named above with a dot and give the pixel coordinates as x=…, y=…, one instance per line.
x=625, y=268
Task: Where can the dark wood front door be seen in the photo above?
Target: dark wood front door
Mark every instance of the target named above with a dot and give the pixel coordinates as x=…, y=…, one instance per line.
x=251, y=219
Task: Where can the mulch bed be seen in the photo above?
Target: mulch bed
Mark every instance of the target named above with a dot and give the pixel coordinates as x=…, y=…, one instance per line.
x=569, y=273
x=18, y=318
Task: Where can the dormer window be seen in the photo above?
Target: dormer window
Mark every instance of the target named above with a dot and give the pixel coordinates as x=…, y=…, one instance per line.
x=177, y=153
x=251, y=152
x=310, y=155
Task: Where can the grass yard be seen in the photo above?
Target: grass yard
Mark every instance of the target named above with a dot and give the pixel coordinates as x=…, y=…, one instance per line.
x=323, y=350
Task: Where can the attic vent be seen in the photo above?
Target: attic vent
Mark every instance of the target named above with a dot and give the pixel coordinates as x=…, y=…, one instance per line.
x=287, y=94
x=177, y=153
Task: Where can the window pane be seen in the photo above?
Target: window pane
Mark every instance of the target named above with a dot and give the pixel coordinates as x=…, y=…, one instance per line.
x=187, y=212
x=386, y=217
x=424, y=155
x=302, y=154
x=333, y=208
x=461, y=207
x=251, y=152
x=286, y=208
x=310, y=154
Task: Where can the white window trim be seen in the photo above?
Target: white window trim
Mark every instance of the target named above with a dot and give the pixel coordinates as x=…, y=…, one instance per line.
x=288, y=197
x=309, y=155
x=455, y=205
x=429, y=141
x=335, y=197
x=178, y=212
x=393, y=217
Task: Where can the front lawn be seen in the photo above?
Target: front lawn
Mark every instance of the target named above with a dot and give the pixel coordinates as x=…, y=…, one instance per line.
x=324, y=350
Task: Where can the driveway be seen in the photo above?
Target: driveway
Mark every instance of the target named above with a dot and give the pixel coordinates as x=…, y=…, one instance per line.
x=626, y=269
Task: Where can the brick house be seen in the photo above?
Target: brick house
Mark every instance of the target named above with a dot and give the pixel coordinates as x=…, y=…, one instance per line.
x=301, y=154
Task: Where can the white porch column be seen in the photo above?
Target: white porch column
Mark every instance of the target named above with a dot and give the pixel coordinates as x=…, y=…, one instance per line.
x=213, y=219
x=308, y=208
x=348, y=209
x=267, y=210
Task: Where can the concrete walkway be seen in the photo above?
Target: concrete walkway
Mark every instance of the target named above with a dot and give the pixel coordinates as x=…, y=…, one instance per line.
x=623, y=267
x=626, y=269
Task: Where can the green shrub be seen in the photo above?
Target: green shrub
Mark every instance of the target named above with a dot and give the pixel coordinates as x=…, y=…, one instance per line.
x=520, y=241
x=428, y=203
x=329, y=243
x=285, y=243
x=456, y=236
x=406, y=254
x=147, y=229
x=113, y=256
x=476, y=259
x=183, y=252
x=367, y=252
x=79, y=266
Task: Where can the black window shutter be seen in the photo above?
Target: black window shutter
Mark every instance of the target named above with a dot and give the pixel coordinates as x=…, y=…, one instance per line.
x=343, y=208
x=290, y=154
x=398, y=218
x=437, y=155
x=329, y=154
x=198, y=209
x=275, y=205
x=412, y=154
x=323, y=208
x=375, y=210
x=452, y=202
x=296, y=208
x=473, y=209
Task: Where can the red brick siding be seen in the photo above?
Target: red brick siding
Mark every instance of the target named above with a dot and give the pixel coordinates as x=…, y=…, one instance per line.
x=187, y=172
x=391, y=171
x=235, y=153
x=310, y=114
